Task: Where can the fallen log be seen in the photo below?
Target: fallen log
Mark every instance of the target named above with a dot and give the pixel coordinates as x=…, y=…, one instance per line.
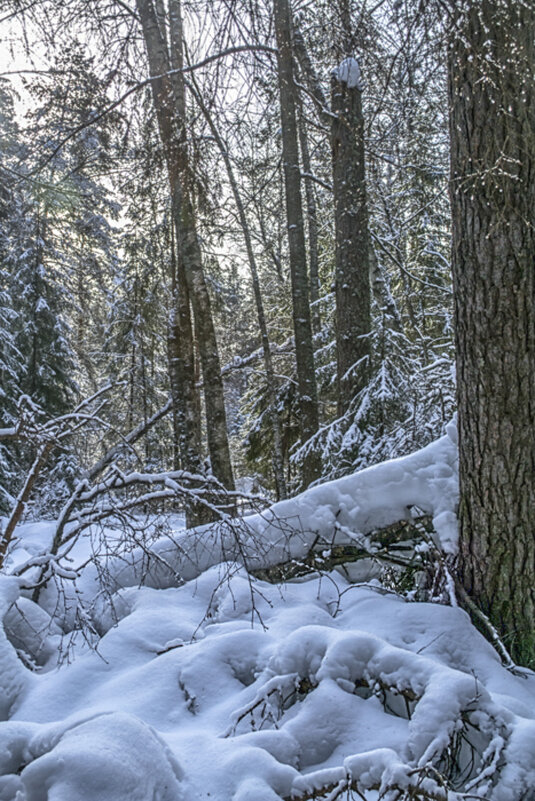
x=378, y=544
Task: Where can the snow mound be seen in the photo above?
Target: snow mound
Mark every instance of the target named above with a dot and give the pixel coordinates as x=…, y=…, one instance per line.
x=13, y=676
x=335, y=688
x=113, y=757
x=210, y=684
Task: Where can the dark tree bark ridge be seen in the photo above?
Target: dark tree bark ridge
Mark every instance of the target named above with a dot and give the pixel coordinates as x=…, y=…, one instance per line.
x=352, y=279
x=492, y=119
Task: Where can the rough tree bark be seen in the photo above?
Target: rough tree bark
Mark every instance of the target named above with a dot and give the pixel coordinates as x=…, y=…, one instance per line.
x=183, y=385
x=352, y=272
x=168, y=94
x=492, y=121
x=304, y=352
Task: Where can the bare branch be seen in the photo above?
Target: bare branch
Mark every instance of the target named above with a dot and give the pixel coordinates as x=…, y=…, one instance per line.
x=129, y=440
x=116, y=103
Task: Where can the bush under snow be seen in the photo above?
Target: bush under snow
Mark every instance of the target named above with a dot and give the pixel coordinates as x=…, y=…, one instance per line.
x=228, y=688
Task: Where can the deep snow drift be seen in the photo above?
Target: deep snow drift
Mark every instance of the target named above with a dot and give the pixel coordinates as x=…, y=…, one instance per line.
x=229, y=688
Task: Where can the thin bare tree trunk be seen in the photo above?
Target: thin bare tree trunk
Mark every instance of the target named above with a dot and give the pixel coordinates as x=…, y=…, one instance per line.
x=168, y=95
x=304, y=352
x=312, y=219
x=130, y=439
x=39, y=462
x=278, y=458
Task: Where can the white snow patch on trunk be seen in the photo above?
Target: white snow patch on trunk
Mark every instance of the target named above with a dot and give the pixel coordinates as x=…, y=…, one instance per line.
x=348, y=72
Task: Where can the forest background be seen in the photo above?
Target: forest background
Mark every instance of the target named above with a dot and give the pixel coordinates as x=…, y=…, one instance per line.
x=94, y=289
x=225, y=237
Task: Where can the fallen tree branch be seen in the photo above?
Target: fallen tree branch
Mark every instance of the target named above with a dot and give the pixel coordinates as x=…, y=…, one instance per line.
x=112, y=498
x=46, y=436
x=128, y=440
x=323, y=559
x=22, y=499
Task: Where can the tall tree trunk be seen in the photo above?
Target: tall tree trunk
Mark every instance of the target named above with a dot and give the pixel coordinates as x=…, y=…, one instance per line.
x=304, y=353
x=312, y=219
x=168, y=96
x=352, y=271
x=184, y=393
x=492, y=125
x=278, y=457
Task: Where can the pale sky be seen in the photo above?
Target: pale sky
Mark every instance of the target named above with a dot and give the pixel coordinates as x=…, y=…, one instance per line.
x=15, y=58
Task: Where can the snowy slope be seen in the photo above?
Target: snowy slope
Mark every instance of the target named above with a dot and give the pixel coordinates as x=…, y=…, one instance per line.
x=227, y=688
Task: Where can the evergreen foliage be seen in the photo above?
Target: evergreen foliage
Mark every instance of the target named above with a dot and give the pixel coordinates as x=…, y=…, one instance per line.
x=91, y=287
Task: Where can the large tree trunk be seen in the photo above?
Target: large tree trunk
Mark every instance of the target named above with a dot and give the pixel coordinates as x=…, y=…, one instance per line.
x=492, y=96
x=168, y=96
x=352, y=272
x=304, y=352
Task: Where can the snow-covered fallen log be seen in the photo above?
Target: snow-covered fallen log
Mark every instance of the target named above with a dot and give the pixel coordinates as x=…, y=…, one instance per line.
x=334, y=513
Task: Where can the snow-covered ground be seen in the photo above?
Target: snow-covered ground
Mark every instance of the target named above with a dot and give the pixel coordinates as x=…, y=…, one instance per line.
x=227, y=688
